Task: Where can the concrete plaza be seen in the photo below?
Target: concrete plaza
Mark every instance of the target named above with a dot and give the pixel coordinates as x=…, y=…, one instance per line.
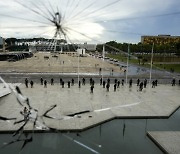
x=159, y=102
x=169, y=141
x=98, y=107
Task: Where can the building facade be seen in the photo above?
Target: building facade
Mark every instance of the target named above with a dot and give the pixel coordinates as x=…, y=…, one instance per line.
x=160, y=39
x=1, y=41
x=2, y=44
x=88, y=47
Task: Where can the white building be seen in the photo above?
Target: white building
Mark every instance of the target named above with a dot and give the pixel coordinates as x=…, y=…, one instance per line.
x=81, y=52
x=88, y=47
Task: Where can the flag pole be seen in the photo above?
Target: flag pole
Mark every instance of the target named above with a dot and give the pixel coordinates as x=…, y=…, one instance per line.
x=103, y=60
x=127, y=65
x=151, y=64
x=78, y=67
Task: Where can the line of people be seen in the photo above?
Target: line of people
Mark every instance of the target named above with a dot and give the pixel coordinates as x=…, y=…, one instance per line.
x=104, y=83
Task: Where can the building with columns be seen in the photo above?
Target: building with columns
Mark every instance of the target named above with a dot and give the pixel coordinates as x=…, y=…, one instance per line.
x=160, y=39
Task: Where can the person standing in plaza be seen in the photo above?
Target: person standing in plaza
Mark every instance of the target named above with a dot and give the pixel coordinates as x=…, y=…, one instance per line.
x=100, y=81
x=145, y=83
x=104, y=83
x=72, y=82
x=60, y=80
x=112, y=71
x=118, y=84
x=99, y=71
x=69, y=84
x=41, y=81
x=90, y=81
x=108, y=81
x=31, y=83
x=153, y=84
x=83, y=81
x=141, y=86
x=52, y=81
x=130, y=83
x=138, y=81
x=26, y=82
x=91, y=88
x=107, y=87
x=115, y=87
x=122, y=83
x=62, y=83
x=45, y=84
x=156, y=82
x=79, y=84
x=173, y=82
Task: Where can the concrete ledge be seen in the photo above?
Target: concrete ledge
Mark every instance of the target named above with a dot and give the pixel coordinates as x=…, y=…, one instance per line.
x=4, y=91
x=167, y=141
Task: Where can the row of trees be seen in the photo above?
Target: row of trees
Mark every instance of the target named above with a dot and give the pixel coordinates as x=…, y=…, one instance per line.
x=141, y=48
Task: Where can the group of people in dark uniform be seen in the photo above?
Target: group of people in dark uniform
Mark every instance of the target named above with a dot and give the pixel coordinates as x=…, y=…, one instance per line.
x=104, y=83
x=27, y=83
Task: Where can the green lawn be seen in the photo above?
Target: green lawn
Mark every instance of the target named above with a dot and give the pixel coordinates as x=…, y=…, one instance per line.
x=167, y=67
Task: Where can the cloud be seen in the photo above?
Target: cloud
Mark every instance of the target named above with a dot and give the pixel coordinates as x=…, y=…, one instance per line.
x=86, y=18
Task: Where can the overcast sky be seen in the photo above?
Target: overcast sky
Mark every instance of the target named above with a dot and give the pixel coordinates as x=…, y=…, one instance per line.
x=90, y=20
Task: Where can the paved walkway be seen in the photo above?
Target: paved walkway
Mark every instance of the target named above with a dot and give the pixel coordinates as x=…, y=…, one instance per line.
x=63, y=63
x=161, y=101
x=169, y=141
